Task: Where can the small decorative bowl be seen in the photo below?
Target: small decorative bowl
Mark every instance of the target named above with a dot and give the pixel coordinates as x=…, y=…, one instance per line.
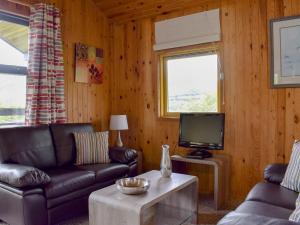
x=133, y=186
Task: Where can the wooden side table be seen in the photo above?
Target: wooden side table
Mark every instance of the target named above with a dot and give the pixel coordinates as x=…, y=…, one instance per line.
x=220, y=163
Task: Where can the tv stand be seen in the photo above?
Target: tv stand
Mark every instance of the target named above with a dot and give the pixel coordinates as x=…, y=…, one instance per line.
x=220, y=165
x=199, y=154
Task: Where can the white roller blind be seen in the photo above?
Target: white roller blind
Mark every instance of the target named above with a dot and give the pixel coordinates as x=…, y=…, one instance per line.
x=188, y=30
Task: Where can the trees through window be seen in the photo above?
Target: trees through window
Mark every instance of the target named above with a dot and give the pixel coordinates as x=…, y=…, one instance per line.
x=189, y=82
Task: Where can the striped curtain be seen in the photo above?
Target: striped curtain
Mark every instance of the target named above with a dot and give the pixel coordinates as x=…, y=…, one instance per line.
x=45, y=80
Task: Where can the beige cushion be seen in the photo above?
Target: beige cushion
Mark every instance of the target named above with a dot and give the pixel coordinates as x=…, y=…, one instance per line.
x=295, y=216
x=92, y=148
x=291, y=178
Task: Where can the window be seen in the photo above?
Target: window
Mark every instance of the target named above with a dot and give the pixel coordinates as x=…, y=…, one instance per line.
x=13, y=68
x=189, y=82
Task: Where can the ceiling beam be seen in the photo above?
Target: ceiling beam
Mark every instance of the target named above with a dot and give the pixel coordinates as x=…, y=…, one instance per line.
x=118, y=11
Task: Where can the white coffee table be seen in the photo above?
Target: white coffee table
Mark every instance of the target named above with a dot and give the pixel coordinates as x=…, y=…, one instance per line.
x=169, y=201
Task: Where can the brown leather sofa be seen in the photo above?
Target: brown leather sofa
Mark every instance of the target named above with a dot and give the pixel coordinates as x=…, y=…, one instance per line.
x=267, y=203
x=52, y=150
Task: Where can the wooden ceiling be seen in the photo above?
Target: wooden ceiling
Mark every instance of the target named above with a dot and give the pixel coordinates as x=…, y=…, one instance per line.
x=120, y=10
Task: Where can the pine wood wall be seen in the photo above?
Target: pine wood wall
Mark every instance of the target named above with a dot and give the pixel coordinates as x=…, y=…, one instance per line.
x=261, y=123
x=84, y=22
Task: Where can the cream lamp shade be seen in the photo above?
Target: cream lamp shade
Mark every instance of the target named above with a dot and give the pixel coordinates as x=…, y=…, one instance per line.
x=118, y=122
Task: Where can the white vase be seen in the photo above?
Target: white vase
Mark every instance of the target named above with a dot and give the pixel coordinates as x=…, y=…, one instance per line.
x=165, y=165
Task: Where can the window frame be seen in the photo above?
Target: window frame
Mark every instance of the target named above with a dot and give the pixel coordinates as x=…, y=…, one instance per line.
x=163, y=81
x=13, y=70
x=14, y=18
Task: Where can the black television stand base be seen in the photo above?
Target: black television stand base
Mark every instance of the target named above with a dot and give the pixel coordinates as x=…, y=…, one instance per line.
x=199, y=154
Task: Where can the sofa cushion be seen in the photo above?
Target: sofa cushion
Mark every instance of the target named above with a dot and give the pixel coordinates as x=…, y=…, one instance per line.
x=91, y=148
x=295, y=216
x=64, y=142
x=273, y=194
x=264, y=209
x=291, y=178
x=30, y=146
x=107, y=172
x=53, y=202
x=67, y=180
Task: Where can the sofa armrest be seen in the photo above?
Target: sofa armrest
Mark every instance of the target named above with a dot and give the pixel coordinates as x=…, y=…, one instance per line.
x=122, y=155
x=274, y=173
x=21, y=192
x=20, y=176
x=23, y=206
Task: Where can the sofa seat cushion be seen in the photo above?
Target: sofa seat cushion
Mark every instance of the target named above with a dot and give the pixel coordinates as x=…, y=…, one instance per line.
x=273, y=194
x=53, y=202
x=67, y=180
x=63, y=138
x=264, y=209
x=106, y=172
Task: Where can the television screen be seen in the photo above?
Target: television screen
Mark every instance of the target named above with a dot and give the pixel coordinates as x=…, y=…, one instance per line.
x=202, y=130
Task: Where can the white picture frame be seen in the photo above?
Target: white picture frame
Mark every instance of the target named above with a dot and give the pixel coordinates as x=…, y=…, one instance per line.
x=285, y=52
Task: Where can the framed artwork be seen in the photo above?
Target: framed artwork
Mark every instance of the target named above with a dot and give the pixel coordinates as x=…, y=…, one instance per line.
x=285, y=52
x=89, y=66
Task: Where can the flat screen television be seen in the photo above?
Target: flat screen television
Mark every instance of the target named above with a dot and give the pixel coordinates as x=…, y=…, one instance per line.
x=202, y=132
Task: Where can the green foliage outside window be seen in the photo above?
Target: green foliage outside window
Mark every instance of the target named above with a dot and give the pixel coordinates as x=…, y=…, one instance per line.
x=206, y=103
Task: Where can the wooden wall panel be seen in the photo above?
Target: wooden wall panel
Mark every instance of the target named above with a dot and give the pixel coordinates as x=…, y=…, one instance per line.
x=261, y=123
x=82, y=21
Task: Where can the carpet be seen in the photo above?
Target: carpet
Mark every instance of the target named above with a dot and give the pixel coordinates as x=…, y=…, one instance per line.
x=203, y=219
x=206, y=219
x=206, y=216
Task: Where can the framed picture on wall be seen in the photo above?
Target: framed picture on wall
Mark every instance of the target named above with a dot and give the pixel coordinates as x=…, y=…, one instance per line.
x=285, y=52
x=89, y=64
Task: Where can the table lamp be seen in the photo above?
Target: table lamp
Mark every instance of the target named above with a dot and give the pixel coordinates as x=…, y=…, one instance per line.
x=118, y=122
